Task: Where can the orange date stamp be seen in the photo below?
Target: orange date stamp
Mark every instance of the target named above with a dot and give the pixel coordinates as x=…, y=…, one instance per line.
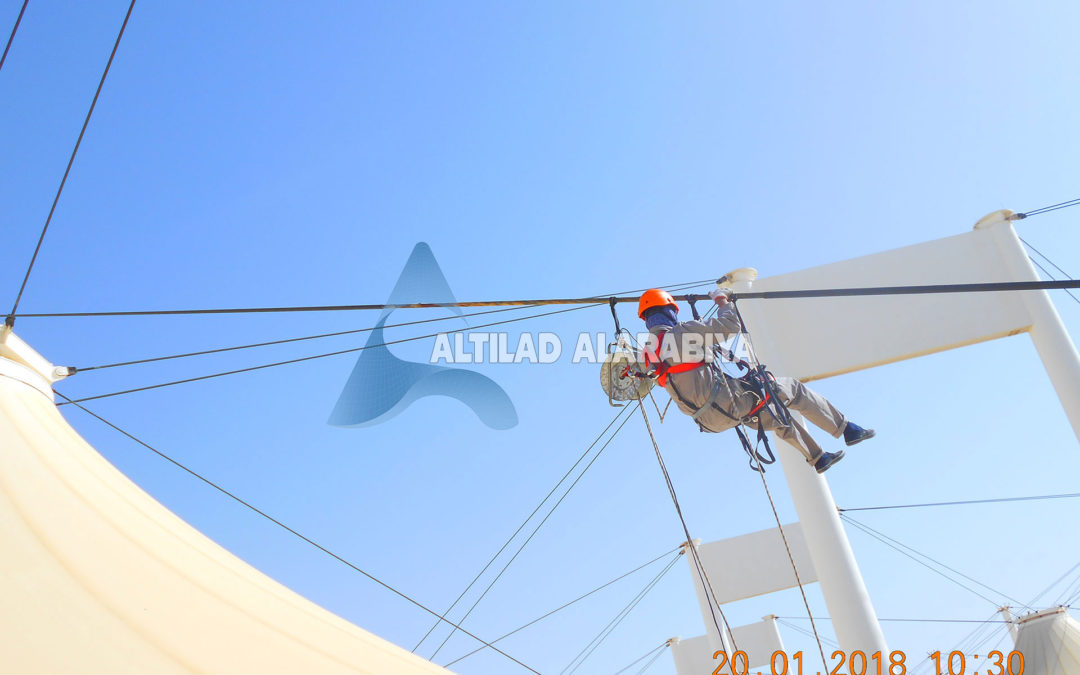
x=859, y=663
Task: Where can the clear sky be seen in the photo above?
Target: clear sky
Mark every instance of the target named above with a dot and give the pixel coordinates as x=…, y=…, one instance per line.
x=268, y=153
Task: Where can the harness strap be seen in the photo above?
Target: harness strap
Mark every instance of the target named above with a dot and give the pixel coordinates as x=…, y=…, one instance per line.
x=709, y=402
x=662, y=369
x=757, y=460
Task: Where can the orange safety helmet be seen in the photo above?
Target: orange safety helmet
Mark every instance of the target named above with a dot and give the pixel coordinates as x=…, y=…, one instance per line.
x=654, y=297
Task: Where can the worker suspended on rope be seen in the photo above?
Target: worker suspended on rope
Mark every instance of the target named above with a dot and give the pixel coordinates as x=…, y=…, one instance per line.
x=678, y=355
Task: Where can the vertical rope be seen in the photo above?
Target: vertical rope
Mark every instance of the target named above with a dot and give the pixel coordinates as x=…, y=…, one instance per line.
x=710, y=594
x=752, y=355
x=795, y=569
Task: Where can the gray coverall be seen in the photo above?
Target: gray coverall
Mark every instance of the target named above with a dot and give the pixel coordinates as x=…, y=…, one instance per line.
x=691, y=389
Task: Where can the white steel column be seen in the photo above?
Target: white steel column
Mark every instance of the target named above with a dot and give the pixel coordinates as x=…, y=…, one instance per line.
x=849, y=605
x=1052, y=341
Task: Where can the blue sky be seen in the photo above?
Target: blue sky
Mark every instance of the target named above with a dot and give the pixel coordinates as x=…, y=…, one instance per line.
x=248, y=154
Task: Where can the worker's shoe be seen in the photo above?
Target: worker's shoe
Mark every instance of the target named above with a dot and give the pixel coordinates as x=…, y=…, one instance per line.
x=853, y=433
x=827, y=459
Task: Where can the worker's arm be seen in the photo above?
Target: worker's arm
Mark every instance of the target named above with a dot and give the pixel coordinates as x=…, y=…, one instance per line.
x=725, y=323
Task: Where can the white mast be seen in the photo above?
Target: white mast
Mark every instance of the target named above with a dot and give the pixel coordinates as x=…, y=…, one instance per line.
x=1051, y=340
x=853, y=616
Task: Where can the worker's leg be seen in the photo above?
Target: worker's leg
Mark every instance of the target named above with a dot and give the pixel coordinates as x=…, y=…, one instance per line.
x=795, y=434
x=812, y=405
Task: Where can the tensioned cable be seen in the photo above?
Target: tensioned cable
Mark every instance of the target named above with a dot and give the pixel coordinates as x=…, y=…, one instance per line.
x=1051, y=276
x=13, y=31
x=606, y=632
x=1068, y=593
x=625, y=613
x=929, y=289
x=535, y=530
x=313, y=337
x=350, y=308
x=1070, y=599
x=1052, y=263
x=997, y=500
x=532, y=534
x=319, y=356
x=522, y=627
x=1055, y=583
x=810, y=634
x=650, y=662
x=1044, y=256
x=71, y=161
x=290, y=530
x=1047, y=209
x=974, y=635
x=651, y=652
x=522, y=526
x=296, y=339
x=898, y=546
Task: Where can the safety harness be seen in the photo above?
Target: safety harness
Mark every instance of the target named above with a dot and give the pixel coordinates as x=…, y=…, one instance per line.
x=756, y=381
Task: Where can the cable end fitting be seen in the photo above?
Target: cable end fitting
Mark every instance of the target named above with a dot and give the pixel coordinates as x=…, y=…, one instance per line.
x=9, y=321
x=60, y=372
x=686, y=544
x=1017, y=216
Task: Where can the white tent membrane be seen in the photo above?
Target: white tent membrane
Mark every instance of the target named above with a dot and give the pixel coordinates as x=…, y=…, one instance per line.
x=97, y=576
x=1050, y=643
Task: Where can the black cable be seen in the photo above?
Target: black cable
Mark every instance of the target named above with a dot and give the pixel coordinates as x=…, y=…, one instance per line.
x=290, y=530
x=898, y=546
x=301, y=339
x=60, y=190
x=13, y=31
x=1052, y=263
x=595, y=643
x=319, y=356
x=297, y=339
x=349, y=308
x=961, y=503
x=562, y=607
x=1047, y=209
x=930, y=289
x=522, y=526
x=535, y=530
